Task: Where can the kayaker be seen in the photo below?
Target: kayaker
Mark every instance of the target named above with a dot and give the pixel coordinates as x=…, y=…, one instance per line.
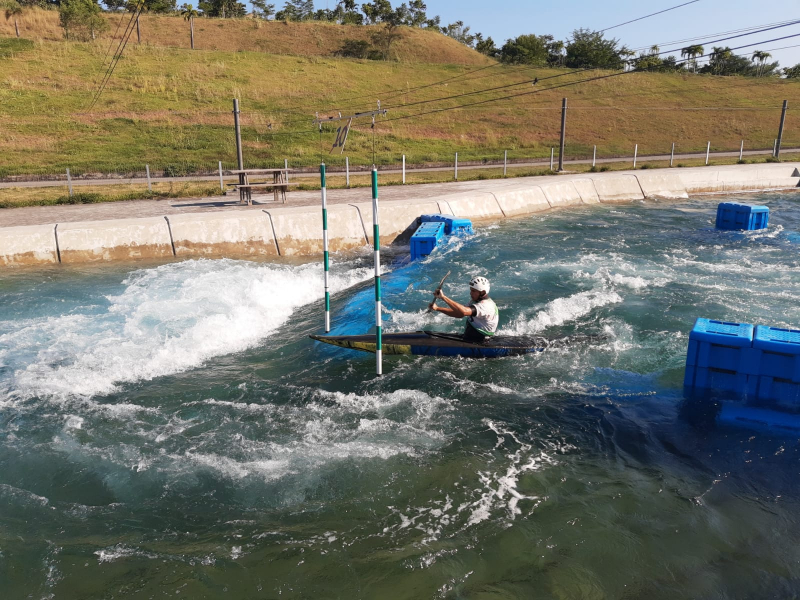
x=482, y=314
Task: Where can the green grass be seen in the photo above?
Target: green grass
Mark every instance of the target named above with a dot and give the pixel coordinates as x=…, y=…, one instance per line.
x=171, y=108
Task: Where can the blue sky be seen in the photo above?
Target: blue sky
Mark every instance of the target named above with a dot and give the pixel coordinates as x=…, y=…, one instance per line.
x=504, y=19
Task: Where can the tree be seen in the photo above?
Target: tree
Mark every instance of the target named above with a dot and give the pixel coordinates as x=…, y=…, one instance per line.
x=459, y=32
x=220, y=8
x=792, y=72
x=417, y=16
x=348, y=13
x=761, y=57
x=189, y=13
x=263, y=10
x=81, y=19
x=691, y=52
x=719, y=57
x=13, y=9
x=487, y=47
x=378, y=11
x=589, y=49
x=526, y=50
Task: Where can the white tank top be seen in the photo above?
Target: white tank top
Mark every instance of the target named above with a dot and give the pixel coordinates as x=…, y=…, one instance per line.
x=486, y=316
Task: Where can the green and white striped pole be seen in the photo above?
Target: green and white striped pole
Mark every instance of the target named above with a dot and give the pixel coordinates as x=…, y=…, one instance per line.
x=325, y=254
x=376, y=236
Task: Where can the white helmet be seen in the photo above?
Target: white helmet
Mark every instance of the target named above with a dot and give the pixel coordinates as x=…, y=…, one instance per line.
x=479, y=283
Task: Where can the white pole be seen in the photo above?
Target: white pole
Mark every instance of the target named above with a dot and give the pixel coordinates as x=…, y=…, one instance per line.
x=221, y=183
x=69, y=182
x=741, y=150
x=708, y=151
x=455, y=172
x=672, y=155
x=594, y=157
x=635, y=152
x=376, y=236
x=149, y=185
x=347, y=170
x=286, y=166
x=505, y=162
x=552, y=151
x=404, y=169
x=325, y=254
x=775, y=148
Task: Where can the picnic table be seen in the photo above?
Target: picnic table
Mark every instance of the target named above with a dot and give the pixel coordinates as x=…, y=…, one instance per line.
x=279, y=184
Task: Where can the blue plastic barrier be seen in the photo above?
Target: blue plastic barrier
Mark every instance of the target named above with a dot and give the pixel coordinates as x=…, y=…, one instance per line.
x=425, y=239
x=720, y=357
x=779, y=366
x=732, y=215
x=452, y=225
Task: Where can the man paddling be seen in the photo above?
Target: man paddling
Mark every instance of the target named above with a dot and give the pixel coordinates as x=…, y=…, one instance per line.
x=482, y=314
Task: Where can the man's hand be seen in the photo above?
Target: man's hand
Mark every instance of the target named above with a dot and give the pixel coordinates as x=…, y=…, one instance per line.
x=432, y=306
x=438, y=294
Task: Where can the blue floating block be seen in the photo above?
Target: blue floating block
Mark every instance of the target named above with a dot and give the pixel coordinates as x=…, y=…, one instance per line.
x=732, y=215
x=425, y=239
x=452, y=225
x=720, y=357
x=779, y=372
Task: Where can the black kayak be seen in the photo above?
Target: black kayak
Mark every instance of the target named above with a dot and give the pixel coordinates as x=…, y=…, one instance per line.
x=432, y=343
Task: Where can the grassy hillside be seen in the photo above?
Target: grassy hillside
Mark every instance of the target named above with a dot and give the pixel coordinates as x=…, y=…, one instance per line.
x=253, y=35
x=171, y=108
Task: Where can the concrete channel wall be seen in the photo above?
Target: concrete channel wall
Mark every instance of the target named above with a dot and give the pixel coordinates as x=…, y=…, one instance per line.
x=297, y=231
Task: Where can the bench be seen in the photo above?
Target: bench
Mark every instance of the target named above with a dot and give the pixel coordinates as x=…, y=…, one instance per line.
x=245, y=189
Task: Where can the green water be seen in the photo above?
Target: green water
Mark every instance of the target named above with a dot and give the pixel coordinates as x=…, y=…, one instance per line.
x=170, y=431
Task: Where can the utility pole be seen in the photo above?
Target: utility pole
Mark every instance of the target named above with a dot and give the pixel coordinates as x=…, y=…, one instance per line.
x=138, y=31
x=780, y=129
x=239, y=159
x=563, y=133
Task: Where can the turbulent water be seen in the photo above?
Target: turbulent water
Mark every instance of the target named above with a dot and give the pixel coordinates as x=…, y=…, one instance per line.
x=170, y=430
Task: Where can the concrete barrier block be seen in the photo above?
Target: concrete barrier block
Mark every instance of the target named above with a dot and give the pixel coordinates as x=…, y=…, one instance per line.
x=761, y=184
x=562, y=193
x=399, y=219
x=521, y=200
x=587, y=190
x=298, y=230
x=777, y=171
x=473, y=205
x=30, y=245
x=662, y=185
x=241, y=232
x=119, y=239
x=617, y=188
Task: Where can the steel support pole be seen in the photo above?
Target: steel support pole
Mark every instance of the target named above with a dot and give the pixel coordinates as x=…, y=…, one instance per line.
x=635, y=152
x=505, y=162
x=149, y=184
x=239, y=160
x=672, y=155
x=741, y=151
x=594, y=157
x=780, y=129
x=69, y=182
x=455, y=168
x=347, y=170
x=552, y=153
x=563, y=134
x=404, y=169
x=221, y=182
x=377, y=249
x=325, y=254
x=708, y=152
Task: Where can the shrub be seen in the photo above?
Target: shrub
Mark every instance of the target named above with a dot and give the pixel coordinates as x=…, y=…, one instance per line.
x=354, y=49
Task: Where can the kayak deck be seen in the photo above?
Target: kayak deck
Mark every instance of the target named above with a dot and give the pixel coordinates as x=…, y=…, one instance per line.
x=432, y=343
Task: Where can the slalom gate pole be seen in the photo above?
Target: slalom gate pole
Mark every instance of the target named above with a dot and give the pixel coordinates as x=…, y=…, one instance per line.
x=377, y=241
x=325, y=254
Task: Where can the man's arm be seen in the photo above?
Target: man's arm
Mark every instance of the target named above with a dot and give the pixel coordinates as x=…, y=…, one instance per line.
x=453, y=308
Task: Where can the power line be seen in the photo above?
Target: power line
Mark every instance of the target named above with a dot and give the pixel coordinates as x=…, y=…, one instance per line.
x=648, y=16
x=609, y=76
x=702, y=37
x=115, y=60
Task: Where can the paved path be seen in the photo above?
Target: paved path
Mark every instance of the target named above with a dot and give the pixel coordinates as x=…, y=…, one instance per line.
x=41, y=215
x=393, y=171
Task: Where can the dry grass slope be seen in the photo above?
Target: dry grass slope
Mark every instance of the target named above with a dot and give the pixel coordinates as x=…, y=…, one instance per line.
x=247, y=34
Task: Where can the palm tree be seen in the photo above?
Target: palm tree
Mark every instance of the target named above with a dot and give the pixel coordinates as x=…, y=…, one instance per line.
x=189, y=13
x=13, y=9
x=691, y=52
x=655, y=49
x=761, y=57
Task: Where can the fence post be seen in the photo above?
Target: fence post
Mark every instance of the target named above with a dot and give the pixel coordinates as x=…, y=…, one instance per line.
x=672, y=155
x=552, y=150
x=347, y=171
x=69, y=182
x=221, y=183
x=404, y=169
x=286, y=166
x=149, y=185
x=635, y=152
x=594, y=157
x=455, y=171
x=505, y=162
x=741, y=151
x=708, y=151
x=780, y=130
